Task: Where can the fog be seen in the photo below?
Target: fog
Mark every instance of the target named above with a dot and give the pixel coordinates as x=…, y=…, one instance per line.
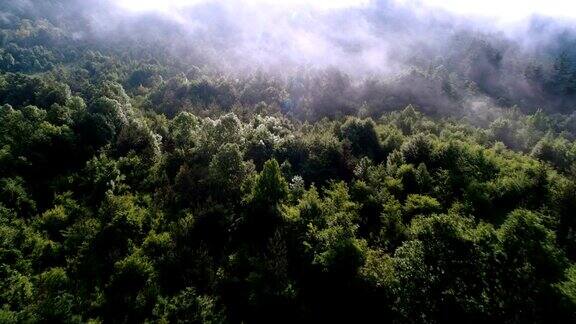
x=509, y=11
x=430, y=52
x=356, y=36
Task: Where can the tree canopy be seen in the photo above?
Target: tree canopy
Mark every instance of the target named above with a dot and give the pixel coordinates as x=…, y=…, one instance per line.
x=133, y=190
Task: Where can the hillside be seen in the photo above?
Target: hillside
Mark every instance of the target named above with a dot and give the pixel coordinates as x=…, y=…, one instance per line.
x=211, y=170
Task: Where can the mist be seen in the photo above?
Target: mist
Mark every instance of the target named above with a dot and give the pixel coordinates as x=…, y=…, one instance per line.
x=390, y=53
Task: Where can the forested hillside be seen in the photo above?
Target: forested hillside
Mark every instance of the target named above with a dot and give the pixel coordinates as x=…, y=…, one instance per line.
x=144, y=179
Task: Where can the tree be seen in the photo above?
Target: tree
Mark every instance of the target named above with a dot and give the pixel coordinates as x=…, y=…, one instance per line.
x=227, y=172
x=568, y=290
x=14, y=195
x=529, y=260
x=138, y=138
x=55, y=303
x=361, y=135
x=101, y=175
x=111, y=110
x=417, y=149
x=441, y=270
x=421, y=205
x=270, y=188
x=130, y=295
x=187, y=306
x=563, y=78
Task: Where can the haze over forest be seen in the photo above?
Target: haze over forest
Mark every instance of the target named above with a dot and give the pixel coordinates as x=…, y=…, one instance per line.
x=257, y=161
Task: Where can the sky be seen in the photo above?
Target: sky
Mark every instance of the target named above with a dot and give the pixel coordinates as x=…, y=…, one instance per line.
x=507, y=10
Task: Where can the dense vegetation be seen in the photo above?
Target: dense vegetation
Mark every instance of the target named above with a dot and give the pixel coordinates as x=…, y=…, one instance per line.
x=133, y=192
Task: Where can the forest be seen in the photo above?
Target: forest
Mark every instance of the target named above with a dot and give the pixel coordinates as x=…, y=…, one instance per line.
x=149, y=180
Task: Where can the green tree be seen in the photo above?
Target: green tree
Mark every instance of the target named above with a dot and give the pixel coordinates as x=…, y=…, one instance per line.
x=270, y=187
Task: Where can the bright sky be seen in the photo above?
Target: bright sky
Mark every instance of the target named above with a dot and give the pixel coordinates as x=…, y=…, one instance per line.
x=503, y=9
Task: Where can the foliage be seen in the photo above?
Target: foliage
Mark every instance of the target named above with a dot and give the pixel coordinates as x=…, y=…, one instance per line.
x=131, y=191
